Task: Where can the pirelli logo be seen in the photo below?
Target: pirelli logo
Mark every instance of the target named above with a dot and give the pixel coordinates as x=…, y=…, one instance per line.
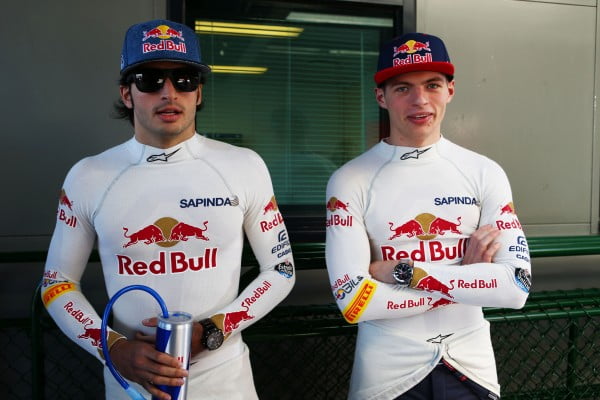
x=55, y=291
x=360, y=301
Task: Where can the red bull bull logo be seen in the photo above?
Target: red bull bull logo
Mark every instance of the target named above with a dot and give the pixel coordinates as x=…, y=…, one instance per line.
x=163, y=32
x=165, y=232
x=161, y=38
x=410, y=47
x=233, y=319
x=508, y=209
x=63, y=215
x=271, y=206
x=439, y=303
x=425, y=227
x=334, y=205
x=277, y=220
x=94, y=334
x=429, y=283
x=408, y=53
x=63, y=200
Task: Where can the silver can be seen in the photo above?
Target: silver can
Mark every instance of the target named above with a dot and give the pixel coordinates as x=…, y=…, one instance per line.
x=174, y=337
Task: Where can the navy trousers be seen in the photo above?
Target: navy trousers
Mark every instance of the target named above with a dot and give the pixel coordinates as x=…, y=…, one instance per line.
x=445, y=383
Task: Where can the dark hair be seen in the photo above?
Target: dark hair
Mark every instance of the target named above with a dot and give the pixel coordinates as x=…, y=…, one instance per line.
x=121, y=111
x=382, y=85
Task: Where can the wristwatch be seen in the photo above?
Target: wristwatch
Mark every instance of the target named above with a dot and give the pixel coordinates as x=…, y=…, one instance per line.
x=212, y=337
x=403, y=273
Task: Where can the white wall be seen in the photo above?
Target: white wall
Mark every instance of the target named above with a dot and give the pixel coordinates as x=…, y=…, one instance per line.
x=525, y=91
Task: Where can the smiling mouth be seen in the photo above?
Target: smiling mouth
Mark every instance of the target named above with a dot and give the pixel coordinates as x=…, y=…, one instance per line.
x=420, y=116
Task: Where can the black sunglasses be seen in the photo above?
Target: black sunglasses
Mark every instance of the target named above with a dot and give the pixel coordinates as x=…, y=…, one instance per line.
x=151, y=80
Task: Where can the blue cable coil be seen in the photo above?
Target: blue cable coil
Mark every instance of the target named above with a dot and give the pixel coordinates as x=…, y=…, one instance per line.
x=134, y=394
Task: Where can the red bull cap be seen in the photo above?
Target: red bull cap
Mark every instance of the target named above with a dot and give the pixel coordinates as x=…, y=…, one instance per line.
x=160, y=40
x=413, y=52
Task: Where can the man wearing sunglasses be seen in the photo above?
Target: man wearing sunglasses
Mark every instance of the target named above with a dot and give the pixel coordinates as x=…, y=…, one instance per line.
x=169, y=210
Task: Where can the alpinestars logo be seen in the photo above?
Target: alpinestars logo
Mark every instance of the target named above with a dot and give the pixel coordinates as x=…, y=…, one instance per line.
x=161, y=157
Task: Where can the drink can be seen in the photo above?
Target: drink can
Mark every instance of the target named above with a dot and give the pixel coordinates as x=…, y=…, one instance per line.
x=174, y=337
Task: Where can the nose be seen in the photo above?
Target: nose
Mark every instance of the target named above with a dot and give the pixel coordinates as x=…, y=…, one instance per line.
x=168, y=90
x=419, y=96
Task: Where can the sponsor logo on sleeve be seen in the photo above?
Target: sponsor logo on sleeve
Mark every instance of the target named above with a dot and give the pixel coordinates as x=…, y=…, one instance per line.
x=508, y=211
x=523, y=279
x=285, y=268
x=429, y=283
x=65, y=210
x=55, y=291
x=360, y=301
x=275, y=218
x=521, y=249
x=340, y=216
x=283, y=247
x=347, y=287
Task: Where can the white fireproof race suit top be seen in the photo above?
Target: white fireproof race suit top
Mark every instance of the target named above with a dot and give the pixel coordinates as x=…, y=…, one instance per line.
x=173, y=220
x=396, y=202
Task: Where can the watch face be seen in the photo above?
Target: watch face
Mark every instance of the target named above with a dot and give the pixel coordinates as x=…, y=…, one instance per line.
x=402, y=273
x=214, y=340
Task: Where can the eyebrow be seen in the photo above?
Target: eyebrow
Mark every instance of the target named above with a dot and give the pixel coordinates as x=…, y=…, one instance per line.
x=435, y=79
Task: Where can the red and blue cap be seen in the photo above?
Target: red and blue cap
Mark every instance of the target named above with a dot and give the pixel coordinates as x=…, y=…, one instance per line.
x=413, y=52
x=160, y=40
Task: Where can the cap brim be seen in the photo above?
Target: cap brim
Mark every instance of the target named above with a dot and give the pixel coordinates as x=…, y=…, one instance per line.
x=203, y=68
x=445, y=68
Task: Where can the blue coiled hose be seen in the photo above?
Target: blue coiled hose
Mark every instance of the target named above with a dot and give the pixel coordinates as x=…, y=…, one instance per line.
x=134, y=394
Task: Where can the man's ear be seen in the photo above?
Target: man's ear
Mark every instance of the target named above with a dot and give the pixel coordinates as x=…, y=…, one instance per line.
x=125, y=92
x=380, y=97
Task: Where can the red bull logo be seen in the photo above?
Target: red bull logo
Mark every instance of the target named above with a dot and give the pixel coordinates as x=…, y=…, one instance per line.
x=63, y=200
x=94, y=334
x=507, y=225
x=257, y=294
x=409, y=303
x=63, y=216
x=334, y=205
x=429, y=284
x=271, y=206
x=165, y=232
x=277, y=219
x=410, y=47
x=162, y=32
x=440, y=303
x=233, y=319
x=425, y=227
x=409, y=53
x=174, y=262
x=165, y=35
x=433, y=250
x=508, y=209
